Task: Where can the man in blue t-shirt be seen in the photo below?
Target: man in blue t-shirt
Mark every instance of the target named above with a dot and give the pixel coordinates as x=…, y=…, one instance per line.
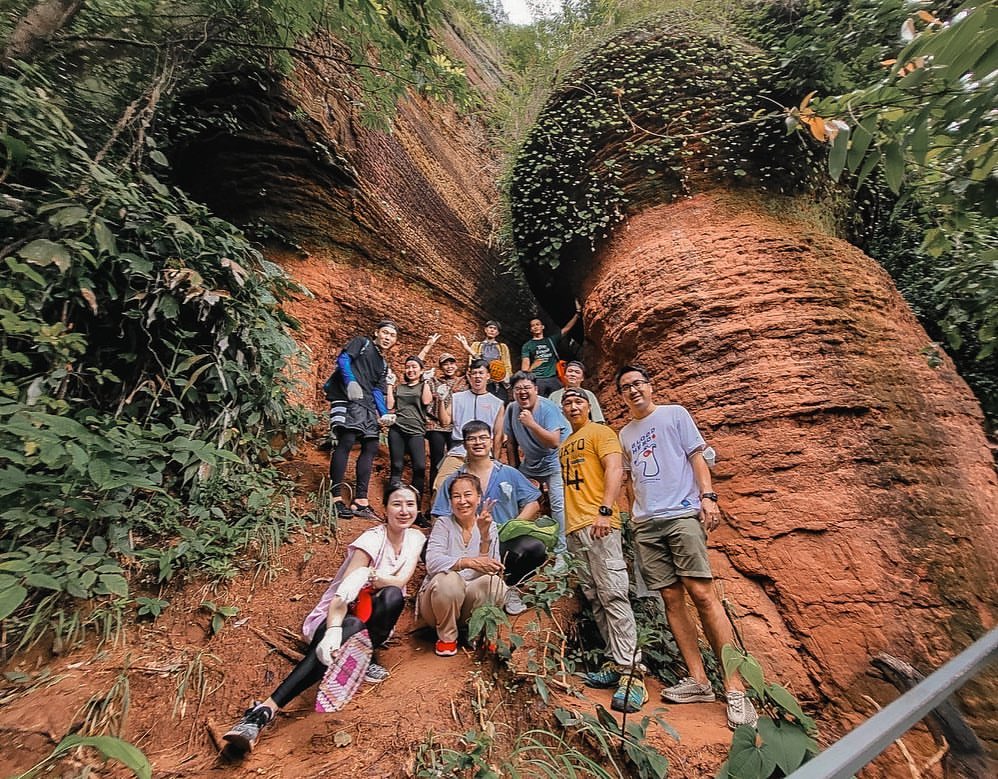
x=535, y=428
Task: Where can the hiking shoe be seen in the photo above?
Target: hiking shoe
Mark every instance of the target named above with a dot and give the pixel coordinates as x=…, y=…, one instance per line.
x=629, y=701
x=688, y=690
x=446, y=648
x=342, y=510
x=740, y=710
x=559, y=564
x=514, y=604
x=243, y=735
x=603, y=679
x=364, y=512
x=375, y=673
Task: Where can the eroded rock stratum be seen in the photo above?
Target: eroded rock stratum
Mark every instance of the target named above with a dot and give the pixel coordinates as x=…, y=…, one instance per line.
x=860, y=487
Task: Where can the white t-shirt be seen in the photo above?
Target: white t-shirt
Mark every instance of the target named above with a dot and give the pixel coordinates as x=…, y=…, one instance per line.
x=467, y=407
x=383, y=559
x=656, y=452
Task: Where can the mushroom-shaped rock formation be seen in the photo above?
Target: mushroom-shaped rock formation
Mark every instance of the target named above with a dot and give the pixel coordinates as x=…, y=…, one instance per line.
x=858, y=483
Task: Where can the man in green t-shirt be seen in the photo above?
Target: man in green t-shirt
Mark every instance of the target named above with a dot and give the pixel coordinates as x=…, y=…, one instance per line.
x=539, y=355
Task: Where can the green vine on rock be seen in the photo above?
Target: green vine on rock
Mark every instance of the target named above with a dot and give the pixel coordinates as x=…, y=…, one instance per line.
x=658, y=112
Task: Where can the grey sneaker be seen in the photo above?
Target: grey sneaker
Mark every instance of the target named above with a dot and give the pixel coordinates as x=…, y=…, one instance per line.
x=514, y=603
x=243, y=735
x=688, y=690
x=740, y=710
x=376, y=673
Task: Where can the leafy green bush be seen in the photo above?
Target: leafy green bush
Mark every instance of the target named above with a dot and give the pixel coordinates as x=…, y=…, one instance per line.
x=783, y=738
x=145, y=366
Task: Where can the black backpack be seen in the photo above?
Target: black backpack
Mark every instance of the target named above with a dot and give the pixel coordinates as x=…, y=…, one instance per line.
x=330, y=384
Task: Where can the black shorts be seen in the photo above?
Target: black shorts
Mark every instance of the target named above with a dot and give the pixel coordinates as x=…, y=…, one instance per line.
x=358, y=416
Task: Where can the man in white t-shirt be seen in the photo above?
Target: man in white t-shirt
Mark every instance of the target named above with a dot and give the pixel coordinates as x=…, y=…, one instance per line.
x=475, y=403
x=673, y=507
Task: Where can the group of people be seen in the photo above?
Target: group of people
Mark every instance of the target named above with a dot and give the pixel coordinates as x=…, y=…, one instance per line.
x=554, y=438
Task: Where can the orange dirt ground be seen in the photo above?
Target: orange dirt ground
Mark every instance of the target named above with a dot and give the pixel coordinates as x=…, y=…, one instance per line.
x=385, y=723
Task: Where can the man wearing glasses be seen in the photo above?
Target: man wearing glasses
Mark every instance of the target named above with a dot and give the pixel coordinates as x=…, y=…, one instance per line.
x=673, y=508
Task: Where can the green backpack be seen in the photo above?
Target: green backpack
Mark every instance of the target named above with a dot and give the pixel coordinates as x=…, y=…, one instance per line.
x=542, y=528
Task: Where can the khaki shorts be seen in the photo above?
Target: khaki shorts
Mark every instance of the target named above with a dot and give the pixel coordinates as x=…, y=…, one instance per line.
x=670, y=548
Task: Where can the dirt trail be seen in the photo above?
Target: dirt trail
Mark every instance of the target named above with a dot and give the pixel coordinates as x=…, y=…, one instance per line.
x=382, y=728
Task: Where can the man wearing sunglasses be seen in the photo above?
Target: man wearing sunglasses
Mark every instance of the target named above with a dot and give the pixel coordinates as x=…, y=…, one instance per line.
x=673, y=508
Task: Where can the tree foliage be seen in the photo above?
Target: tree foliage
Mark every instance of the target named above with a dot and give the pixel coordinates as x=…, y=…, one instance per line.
x=903, y=98
x=145, y=365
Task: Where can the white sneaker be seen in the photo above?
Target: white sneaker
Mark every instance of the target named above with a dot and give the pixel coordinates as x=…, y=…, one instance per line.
x=740, y=710
x=559, y=563
x=514, y=604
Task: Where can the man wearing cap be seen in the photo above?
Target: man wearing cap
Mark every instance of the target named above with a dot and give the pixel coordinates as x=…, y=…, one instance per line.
x=358, y=407
x=535, y=427
x=673, y=509
x=575, y=372
x=476, y=402
x=539, y=355
x=496, y=354
x=593, y=472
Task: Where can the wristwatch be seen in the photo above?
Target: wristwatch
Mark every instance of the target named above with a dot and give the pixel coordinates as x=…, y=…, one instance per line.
x=709, y=496
x=605, y=511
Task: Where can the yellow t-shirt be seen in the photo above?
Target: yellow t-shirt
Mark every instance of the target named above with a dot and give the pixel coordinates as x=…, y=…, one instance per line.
x=582, y=472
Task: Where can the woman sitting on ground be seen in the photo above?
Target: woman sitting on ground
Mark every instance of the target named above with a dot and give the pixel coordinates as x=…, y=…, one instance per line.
x=383, y=559
x=463, y=570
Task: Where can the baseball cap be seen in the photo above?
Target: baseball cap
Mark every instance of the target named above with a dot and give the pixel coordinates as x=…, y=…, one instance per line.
x=573, y=392
x=445, y=357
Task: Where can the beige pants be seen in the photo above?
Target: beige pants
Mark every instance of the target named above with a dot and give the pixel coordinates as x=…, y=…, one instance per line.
x=448, y=600
x=603, y=579
x=448, y=465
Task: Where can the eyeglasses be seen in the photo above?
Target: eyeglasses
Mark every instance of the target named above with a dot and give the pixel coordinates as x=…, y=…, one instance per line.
x=474, y=439
x=633, y=385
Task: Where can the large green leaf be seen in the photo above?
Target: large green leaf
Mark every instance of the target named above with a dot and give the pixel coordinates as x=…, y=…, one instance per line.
x=10, y=599
x=786, y=742
x=42, y=251
x=893, y=166
x=747, y=760
x=113, y=749
x=837, y=156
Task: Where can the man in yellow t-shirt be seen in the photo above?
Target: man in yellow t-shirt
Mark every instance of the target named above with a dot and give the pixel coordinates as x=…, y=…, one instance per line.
x=593, y=471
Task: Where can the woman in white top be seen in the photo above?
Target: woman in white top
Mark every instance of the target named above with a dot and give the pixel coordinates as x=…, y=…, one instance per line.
x=368, y=592
x=463, y=570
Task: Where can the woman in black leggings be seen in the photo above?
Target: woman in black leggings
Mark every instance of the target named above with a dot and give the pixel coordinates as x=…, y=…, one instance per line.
x=413, y=396
x=381, y=560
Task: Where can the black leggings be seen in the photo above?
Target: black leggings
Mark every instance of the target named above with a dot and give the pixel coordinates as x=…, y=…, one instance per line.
x=398, y=444
x=521, y=556
x=386, y=609
x=341, y=454
x=440, y=441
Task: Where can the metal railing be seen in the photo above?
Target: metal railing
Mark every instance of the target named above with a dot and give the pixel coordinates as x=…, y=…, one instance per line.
x=846, y=756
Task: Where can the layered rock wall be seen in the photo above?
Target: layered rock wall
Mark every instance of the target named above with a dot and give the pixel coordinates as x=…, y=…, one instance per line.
x=859, y=486
x=377, y=223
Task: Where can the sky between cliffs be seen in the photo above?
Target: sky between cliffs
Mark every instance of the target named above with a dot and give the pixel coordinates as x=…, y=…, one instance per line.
x=519, y=12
